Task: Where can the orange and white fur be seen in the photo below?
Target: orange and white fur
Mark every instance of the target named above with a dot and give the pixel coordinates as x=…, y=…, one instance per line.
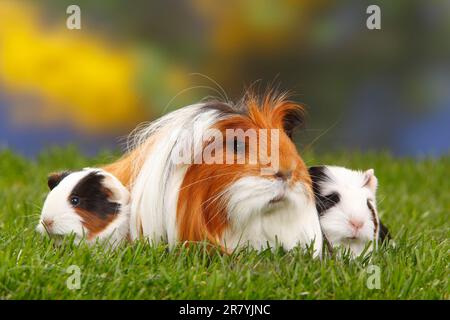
x=231, y=205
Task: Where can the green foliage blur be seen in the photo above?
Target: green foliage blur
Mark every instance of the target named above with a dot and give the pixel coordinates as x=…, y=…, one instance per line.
x=134, y=61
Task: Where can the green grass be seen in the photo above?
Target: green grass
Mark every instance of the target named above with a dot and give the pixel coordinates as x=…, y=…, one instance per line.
x=414, y=203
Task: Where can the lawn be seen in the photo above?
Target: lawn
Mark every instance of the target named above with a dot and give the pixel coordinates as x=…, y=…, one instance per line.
x=413, y=201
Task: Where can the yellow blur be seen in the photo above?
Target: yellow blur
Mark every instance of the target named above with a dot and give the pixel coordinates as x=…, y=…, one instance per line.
x=70, y=75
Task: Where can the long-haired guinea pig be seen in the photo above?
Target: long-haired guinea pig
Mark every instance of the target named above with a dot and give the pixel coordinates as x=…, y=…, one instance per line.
x=227, y=204
x=92, y=204
x=346, y=203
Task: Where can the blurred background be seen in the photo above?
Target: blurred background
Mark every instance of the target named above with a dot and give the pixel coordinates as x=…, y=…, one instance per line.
x=133, y=61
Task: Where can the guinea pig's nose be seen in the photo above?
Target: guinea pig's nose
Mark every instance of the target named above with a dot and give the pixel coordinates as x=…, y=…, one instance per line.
x=283, y=174
x=356, y=224
x=48, y=223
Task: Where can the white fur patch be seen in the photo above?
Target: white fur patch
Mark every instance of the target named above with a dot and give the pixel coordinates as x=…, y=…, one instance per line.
x=255, y=222
x=349, y=184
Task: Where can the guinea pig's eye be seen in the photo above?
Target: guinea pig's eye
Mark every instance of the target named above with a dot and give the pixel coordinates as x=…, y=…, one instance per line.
x=74, y=201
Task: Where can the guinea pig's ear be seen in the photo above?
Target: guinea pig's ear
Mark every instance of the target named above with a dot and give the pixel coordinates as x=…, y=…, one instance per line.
x=119, y=193
x=292, y=115
x=370, y=181
x=55, y=178
x=293, y=118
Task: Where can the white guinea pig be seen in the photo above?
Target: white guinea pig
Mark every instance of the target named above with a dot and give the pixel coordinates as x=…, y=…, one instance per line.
x=346, y=203
x=91, y=204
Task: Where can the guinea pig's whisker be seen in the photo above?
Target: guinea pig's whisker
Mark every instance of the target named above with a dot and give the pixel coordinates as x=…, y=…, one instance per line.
x=45, y=228
x=223, y=92
x=380, y=200
x=308, y=146
x=323, y=206
x=218, y=196
x=32, y=215
x=202, y=180
x=213, y=199
x=37, y=206
x=213, y=217
x=314, y=176
x=186, y=90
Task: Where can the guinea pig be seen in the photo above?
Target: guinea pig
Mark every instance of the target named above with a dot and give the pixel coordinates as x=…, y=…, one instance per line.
x=91, y=204
x=177, y=198
x=346, y=203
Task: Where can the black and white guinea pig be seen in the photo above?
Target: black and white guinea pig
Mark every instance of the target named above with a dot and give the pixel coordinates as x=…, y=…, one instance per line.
x=346, y=203
x=91, y=203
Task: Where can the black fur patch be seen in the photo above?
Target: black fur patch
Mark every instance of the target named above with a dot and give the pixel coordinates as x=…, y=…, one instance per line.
x=323, y=202
x=94, y=196
x=384, y=233
x=55, y=178
x=293, y=119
